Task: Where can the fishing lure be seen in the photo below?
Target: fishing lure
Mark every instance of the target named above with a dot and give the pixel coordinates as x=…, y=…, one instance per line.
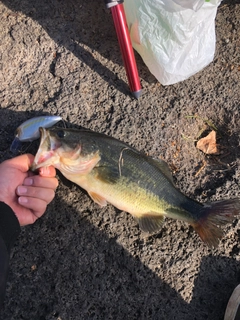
x=29, y=130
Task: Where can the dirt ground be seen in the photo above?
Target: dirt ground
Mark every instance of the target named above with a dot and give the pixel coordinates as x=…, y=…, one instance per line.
x=81, y=261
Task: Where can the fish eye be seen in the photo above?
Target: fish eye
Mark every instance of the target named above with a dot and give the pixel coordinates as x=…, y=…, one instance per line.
x=61, y=134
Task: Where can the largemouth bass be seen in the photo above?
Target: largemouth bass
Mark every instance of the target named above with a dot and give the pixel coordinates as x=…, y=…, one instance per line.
x=113, y=172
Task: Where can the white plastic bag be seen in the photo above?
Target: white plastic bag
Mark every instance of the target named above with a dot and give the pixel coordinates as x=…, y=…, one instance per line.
x=175, y=38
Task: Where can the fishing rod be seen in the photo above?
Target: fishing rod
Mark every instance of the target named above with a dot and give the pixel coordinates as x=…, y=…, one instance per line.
x=120, y=22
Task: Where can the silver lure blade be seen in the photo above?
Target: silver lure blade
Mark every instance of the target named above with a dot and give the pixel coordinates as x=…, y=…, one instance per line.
x=29, y=130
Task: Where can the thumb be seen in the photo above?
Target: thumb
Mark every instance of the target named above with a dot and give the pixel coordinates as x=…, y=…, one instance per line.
x=22, y=162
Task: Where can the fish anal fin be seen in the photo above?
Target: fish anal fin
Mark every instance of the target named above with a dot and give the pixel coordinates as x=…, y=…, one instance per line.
x=98, y=199
x=150, y=222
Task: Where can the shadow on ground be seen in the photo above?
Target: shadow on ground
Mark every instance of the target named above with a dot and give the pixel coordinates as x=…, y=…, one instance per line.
x=81, y=32
x=81, y=25
x=63, y=267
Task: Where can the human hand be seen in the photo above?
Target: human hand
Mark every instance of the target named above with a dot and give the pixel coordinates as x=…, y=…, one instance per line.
x=26, y=193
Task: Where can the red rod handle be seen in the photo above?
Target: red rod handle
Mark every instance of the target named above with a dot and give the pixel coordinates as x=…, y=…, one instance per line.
x=129, y=61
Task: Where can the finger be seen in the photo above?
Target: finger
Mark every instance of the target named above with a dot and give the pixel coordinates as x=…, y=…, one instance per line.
x=22, y=162
x=47, y=171
x=37, y=206
x=30, y=174
x=44, y=194
x=29, y=218
x=42, y=182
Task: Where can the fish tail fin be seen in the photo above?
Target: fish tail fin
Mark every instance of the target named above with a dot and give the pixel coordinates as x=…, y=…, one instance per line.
x=212, y=216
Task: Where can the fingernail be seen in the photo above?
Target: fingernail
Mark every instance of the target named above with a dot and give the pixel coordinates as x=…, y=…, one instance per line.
x=28, y=181
x=22, y=200
x=21, y=190
x=44, y=171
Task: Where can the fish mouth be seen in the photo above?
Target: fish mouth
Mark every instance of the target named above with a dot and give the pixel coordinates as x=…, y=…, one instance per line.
x=46, y=154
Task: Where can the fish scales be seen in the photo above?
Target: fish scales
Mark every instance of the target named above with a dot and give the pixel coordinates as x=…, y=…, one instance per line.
x=113, y=172
x=142, y=173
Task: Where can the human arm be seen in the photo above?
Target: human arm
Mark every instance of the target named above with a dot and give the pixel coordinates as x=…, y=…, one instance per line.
x=9, y=230
x=23, y=199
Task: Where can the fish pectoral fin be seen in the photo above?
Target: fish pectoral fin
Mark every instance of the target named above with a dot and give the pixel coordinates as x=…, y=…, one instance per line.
x=98, y=199
x=150, y=222
x=107, y=174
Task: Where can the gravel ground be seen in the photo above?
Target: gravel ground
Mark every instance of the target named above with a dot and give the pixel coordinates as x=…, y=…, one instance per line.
x=84, y=262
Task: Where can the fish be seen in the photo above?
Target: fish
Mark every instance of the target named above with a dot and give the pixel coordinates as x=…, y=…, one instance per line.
x=113, y=172
x=29, y=130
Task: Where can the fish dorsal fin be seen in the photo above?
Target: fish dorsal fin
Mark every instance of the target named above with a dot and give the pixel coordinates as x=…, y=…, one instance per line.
x=98, y=199
x=107, y=174
x=163, y=166
x=150, y=222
